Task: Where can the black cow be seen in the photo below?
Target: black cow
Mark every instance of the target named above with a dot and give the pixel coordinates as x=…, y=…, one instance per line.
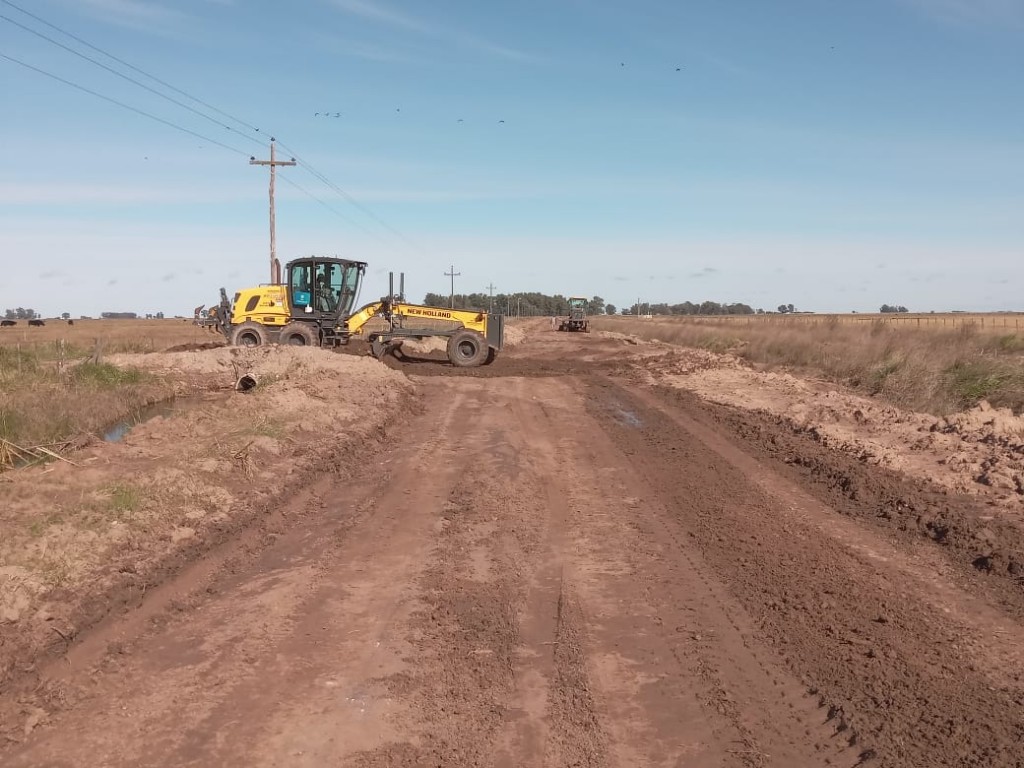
x=38, y=323
x=71, y=322
x=7, y=323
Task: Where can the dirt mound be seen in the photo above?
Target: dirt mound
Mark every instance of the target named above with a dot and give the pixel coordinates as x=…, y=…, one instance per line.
x=74, y=531
x=979, y=451
x=985, y=423
x=195, y=347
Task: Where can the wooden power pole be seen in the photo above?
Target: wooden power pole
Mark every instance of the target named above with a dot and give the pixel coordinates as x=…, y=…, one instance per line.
x=453, y=274
x=275, y=268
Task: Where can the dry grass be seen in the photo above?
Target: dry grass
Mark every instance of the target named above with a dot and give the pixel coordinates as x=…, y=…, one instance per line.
x=115, y=336
x=51, y=392
x=938, y=371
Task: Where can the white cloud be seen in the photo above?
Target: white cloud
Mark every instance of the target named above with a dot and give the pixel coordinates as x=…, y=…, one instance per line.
x=988, y=12
x=381, y=14
x=136, y=14
x=63, y=193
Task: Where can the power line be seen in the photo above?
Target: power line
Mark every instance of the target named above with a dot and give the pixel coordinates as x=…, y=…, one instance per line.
x=304, y=164
x=123, y=76
x=123, y=105
x=351, y=200
x=358, y=225
x=132, y=67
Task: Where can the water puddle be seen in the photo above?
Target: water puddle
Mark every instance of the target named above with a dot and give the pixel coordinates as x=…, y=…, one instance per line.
x=627, y=417
x=18, y=458
x=117, y=432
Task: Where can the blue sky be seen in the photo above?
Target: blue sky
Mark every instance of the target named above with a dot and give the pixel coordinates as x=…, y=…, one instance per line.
x=832, y=154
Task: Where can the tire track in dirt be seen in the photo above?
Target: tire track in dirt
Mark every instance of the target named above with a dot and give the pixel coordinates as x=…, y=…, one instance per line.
x=897, y=684
x=496, y=676
x=985, y=544
x=678, y=677
x=219, y=674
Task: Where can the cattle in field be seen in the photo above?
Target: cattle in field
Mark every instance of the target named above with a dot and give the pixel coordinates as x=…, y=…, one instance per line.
x=7, y=323
x=71, y=322
x=37, y=323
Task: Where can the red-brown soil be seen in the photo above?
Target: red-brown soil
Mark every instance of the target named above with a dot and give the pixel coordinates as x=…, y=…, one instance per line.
x=562, y=562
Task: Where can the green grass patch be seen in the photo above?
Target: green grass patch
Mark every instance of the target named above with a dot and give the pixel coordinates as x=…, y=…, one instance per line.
x=971, y=381
x=880, y=374
x=105, y=375
x=124, y=500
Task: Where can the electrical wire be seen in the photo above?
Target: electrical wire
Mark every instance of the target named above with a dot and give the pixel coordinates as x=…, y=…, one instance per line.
x=123, y=76
x=349, y=198
x=132, y=67
x=121, y=104
x=325, y=204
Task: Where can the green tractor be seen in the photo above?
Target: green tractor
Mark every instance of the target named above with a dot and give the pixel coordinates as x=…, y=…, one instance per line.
x=577, y=319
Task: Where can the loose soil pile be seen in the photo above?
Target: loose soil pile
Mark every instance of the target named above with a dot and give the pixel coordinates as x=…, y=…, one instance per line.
x=980, y=451
x=77, y=537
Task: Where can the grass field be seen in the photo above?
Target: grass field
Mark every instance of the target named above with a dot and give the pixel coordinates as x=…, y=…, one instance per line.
x=1009, y=322
x=928, y=366
x=53, y=389
x=115, y=335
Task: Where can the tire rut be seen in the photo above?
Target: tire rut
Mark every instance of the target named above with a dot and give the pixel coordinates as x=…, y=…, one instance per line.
x=891, y=675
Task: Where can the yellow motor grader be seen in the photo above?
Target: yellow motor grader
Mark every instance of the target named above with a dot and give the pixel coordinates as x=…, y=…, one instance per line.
x=314, y=306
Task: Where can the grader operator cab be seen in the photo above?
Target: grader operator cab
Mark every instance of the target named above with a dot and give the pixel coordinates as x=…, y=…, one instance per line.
x=577, y=319
x=314, y=306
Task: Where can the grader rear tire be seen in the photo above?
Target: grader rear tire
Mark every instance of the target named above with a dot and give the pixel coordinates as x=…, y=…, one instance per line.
x=249, y=334
x=467, y=349
x=299, y=335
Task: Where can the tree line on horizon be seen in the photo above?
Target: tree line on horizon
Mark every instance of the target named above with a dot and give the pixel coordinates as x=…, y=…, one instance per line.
x=541, y=304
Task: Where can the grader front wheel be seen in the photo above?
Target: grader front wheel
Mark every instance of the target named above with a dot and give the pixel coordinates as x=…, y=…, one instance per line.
x=467, y=349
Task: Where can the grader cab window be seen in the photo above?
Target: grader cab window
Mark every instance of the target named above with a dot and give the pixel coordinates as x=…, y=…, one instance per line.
x=300, y=286
x=328, y=287
x=325, y=287
x=349, y=285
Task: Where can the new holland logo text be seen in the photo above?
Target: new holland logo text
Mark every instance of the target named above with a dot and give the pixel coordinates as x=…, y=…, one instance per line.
x=430, y=313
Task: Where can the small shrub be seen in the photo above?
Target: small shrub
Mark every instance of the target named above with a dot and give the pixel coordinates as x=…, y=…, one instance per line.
x=14, y=361
x=10, y=425
x=975, y=380
x=879, y=375
x=124, y=500
x=105, y=375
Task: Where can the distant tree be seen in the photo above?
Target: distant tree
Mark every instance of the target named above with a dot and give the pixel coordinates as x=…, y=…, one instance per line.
x=783, y=309
x=596, y=306
x=65, y=316
x=10, y=314
x=892, y=309
x=609, y=309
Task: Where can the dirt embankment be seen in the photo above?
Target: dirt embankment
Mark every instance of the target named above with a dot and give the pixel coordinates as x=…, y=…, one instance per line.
x=84, y=537
x=980, y=451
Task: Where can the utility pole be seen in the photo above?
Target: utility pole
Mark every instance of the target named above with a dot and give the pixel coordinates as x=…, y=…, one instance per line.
x=275, y=276
x=490, y=299
x=453, y=274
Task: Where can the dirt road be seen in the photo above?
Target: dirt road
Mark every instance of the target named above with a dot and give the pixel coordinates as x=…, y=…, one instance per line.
x=554, y=566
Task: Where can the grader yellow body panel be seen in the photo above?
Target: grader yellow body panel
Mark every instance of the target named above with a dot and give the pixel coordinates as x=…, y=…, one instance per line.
x=314, y=307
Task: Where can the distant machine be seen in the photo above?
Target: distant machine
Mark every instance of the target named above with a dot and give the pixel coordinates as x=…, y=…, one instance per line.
x=577, y=319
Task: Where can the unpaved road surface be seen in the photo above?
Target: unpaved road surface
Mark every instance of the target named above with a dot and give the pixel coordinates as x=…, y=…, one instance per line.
x=552, y=565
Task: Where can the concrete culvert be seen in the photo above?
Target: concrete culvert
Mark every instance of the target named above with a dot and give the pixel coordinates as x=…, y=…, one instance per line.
x=246, y=383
